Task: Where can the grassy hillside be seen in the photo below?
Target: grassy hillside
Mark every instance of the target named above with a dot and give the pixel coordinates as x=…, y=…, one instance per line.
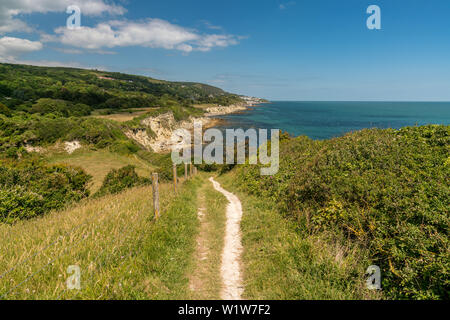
x=122, y=252
x=69, y=91
x=41, y=108
x=384, y=192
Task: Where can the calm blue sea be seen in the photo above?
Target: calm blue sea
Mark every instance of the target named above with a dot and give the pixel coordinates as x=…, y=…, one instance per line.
x=323, y=120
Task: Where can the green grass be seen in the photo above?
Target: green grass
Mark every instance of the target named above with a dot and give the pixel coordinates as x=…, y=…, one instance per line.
x=281, y=263
x=99, y=163
x=122, y=252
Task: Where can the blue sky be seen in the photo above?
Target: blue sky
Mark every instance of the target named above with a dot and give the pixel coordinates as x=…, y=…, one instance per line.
x=280, y=50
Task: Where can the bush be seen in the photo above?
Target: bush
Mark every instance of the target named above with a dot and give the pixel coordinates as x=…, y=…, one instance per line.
x=30, y=189
x=38, y=130
x=118, y=180
x=4, y=110
x=60, y=107
x=17, y=203
x=386, y=190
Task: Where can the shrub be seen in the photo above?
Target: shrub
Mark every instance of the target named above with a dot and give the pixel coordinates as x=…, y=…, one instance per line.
x=118, y=180
x=29, y=189
x=386, y=190
x=4, y=110
x=17, y=203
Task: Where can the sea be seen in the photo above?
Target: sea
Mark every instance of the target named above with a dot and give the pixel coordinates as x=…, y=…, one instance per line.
x=324, y=120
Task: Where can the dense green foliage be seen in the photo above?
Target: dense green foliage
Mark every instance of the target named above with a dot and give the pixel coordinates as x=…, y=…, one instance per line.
x=30, y=189
x=23, y=129
x=60, y=108
x=118, y=180
x=386, y=190
x=22, y=87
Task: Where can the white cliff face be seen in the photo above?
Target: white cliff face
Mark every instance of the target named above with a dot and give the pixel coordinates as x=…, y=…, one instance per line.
x=220, y=110
x=163, y=126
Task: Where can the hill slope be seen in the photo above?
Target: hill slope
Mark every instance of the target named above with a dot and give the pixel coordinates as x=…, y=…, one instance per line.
x=79, y=91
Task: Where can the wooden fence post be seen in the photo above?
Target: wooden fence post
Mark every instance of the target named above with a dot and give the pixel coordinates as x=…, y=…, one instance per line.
x=190, y=170
x=155, y=188
x=185, y=171
x=175, y=177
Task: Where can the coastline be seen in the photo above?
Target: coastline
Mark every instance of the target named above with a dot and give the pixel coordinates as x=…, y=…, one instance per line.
x=213, y=112
x=163, y=126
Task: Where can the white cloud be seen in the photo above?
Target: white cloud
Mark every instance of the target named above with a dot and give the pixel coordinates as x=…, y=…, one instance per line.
x=11, y=48
x=283, y=6
x=78, y=51
x=153, y=33
x=9, y=9
x=209, y=25
x=216, y=40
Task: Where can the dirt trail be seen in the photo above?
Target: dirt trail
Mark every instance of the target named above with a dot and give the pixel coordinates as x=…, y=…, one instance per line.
x=197, y=280
x=231, y=256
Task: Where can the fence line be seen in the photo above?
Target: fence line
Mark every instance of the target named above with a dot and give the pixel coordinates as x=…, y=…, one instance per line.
x=70, y=232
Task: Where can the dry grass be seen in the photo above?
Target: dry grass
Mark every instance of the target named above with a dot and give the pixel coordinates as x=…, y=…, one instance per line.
x=99, y=163
x=122, y=252
x=124, y=116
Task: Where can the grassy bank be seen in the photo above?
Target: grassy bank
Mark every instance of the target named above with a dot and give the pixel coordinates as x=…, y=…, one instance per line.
x=122, y=252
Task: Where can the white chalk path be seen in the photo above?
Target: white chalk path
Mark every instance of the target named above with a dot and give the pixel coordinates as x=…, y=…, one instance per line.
x=231, y=256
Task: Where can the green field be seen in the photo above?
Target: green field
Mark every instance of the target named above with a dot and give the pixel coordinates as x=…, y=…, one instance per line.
x=99, y=163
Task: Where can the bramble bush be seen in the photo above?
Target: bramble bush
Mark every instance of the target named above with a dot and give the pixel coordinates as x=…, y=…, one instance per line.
x=386, y=190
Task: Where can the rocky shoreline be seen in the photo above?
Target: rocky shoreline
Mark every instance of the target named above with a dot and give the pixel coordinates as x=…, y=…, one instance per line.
x=164, y=125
